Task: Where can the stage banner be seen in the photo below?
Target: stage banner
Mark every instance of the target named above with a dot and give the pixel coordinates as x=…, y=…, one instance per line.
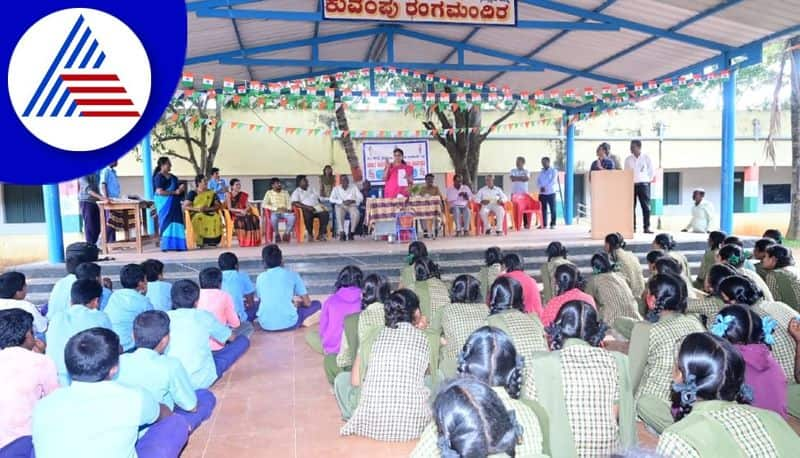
x=375, y=155
x=481, y=12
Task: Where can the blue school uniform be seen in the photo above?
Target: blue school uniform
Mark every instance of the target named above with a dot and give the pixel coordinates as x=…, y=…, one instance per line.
x=276, y=287
x=60, y=295
x=123, y=307
x=104, y=297
x=63, y=326
x=247, y=284
x=162, y=376
x=232, y=284
x=189, y=331
x=91, y=420
x=159, y=293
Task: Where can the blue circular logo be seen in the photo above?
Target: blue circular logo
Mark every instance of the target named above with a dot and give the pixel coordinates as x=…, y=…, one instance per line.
x=86, y=84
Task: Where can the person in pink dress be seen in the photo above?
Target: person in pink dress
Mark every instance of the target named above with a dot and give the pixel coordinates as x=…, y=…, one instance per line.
x=514, y=268
x=569, y=287
x=398, y=175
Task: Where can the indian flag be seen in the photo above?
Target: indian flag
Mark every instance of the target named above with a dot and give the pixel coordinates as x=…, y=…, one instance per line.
x=208, y=82
x=588, y=94
x=652, y=85
x=187, y=80
x=725, y=74
x=227, y=85
x=538, y=95
x=255, y=86
x=606, y=92
x=638, y=87
x=330, y=92
x=555, y=95
x=241, y=89
x=569, y=94
x=622, y=89
x=416, y=97
x=667, y=84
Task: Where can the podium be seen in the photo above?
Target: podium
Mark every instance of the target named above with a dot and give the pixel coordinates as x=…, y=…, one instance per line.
x=612, y=203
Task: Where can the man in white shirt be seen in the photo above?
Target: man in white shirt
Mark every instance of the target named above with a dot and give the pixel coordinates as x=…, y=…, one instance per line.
x=492, y=200
x=346, y=198
x=701, y=213
x=458, y=197
x=13, y=289
x=307, y=200
x=520, y=177
x=642, y=177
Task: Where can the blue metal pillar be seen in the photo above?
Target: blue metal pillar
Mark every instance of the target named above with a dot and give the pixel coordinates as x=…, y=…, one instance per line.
x=728, y=153
x=569, y=172
x=55, y=232
x=147, y=176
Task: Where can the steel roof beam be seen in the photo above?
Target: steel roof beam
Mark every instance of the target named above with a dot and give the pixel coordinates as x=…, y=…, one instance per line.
x=362, y=64
x=206, y=4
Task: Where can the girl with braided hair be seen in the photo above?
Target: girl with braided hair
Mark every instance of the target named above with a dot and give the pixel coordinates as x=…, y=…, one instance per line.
x=715, y=239
x=654, y=345
x=615, y=301
x=556, y=257
x=493, y=266
x=569, y=287
x=706, y=306
x=584, y=389
x=666, y=243
x=781, y=275
x=374, y=293
x=734, y=256
x=416, y=250
x=669, y=265
x=629, y=266
x=466, y=313
x=490, y=357
x=710, y=398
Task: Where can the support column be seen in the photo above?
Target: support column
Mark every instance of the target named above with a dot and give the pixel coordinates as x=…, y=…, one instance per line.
x=55, y=232
x=751, y=189
x=569, y=173
x=728, y=153
x=147, y=177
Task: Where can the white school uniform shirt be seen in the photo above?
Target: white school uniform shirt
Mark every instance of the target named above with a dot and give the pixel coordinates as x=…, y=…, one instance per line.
x=519, y=187
x=642, y=168
x=493, y=195
x=39, y=321
x=701, y=217
x=339, y=195
x=308, y=197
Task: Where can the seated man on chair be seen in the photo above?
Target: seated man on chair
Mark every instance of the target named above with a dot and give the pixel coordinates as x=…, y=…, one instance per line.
x=492, y=200
x=458, y=197
x=278, y=202
x=307, y=200
x=346, y=198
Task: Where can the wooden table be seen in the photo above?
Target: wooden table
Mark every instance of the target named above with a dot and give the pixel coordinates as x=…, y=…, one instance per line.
x=136, y=207
x=384, y=210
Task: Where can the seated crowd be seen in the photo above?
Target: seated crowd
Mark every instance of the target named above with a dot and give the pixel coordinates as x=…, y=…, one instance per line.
x=491, y=364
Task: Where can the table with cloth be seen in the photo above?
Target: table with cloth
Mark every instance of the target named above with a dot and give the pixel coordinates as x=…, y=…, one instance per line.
x=383, y=211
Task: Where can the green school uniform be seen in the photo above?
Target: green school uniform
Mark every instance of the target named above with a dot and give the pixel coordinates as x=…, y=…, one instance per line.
x=487, y=276
x=722, y=428
x=527, y=413
x=434, y=296
x=653, y=350
x=372, y=317
x=687, y=273
x=459, y=321
x=407, y=277
x=527, y=335
x=784, y=283
x=579, y=386
x=709, y=259
x=613, y=297
x=707, y=306
x=784, y=348
x=759, y=282
x=631, y=270
x=548, y=272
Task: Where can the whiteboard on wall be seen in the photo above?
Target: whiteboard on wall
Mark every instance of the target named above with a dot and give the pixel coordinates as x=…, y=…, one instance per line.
x=415, y=153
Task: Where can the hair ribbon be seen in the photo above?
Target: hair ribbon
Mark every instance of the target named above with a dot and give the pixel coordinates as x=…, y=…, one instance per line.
x=769, y=324
x=721, y=325
x=687, y=390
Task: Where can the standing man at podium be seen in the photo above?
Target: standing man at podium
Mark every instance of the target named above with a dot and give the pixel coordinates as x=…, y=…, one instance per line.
x=643, y=174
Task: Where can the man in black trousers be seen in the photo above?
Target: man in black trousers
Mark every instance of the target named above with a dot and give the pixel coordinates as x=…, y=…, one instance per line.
x=643, y=174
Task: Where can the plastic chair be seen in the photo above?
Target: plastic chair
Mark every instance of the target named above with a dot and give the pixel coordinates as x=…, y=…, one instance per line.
x=227, y=230
x=269, y=231
x=301, y=222
x=478, y=222
x=524, y=204
x=450, y=222
x=405, y=224
x=228, y=218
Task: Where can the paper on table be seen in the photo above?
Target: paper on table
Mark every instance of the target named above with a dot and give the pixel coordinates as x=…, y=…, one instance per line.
x=401, y=178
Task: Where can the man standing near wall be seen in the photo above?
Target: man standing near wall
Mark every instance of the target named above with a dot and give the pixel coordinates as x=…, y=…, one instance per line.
x=88, y=196
x=110, y=189
x=547, y=192
x=519, y=182
x=642, y=177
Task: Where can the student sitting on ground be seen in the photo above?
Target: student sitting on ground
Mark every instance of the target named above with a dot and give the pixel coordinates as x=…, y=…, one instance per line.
x=13, y=289
x=666, y=243
x=97, y=417
x=715, y=239
x=615, y=301
x=653, y=348
x=285, y=304
x=489, y=357
x=627, y=262
x=218, y=303
x=344, y=302
x=27, y=377
x=357, y=326
x=92, y=271
x=706, y=306
x=760, y=252
x=569, y=285
x=526, y=330
x=671, y=266
x=471, y=420
x=60, y=294
x=774, y=234
x=466, y=313
x=433, y=293
x=493, y=266
x=83, y=314
x=781, y=276
x=515, y=268
x=733, y=240
x=158, y=291
x=240, y=287
x=190, y=332
x=164, y=377
x=556, y=257
x=416, y=250
x=125, y=304
x=585, y=390
x=385, y=397
x=708, y=392
x=752, y=336
x=734, y=256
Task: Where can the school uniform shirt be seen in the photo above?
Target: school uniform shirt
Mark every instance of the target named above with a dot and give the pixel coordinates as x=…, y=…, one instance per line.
x=104, y=298
x=527, y=335
x=344, y=302
x=189, y=334
x=459, y=321
x=434, y=296
x=39, y=321
x=709, y=259
x=162, y=376
x=784, y=284
x=487, y=276
x=92, y=420
x=579, y=386
x=785, y=347
x=60, y=295
x=232, y=284
x=530, y=291
x=371, y=320
x=705, y=305
x=27, y=377
x=631, y=270
x=408, y=277
x=63, y=326
x=519, y=187
x=548, y=272
x=393, y=400
x=685, y=270
x=159, y=293
x=218, y=303
x=764, y=375
x=527, y=415
x=722, y=428
x=108, y=176
x=277, y=287
x=759, y=282
x=613, y=297
x=123, y=307
x=554, y=305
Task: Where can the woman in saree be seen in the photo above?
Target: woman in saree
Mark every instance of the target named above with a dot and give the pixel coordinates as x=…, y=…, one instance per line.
x=206, y=221
x=247, y=224
x=168, y=197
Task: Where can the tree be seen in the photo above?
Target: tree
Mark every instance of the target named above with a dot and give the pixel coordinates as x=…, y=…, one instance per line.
x=680, y=99
x=347, y=140
x=464, y=144
x=195, y=123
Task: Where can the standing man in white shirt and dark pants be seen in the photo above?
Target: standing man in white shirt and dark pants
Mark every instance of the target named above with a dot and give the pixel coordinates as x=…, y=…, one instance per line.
x=519, y=182
x=346, y=198
x=492, y=200
x=642, y=177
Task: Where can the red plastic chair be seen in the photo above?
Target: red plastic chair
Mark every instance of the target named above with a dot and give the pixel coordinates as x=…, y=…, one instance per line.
x=524, y=204
x=478, y=222
x=269, y=230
